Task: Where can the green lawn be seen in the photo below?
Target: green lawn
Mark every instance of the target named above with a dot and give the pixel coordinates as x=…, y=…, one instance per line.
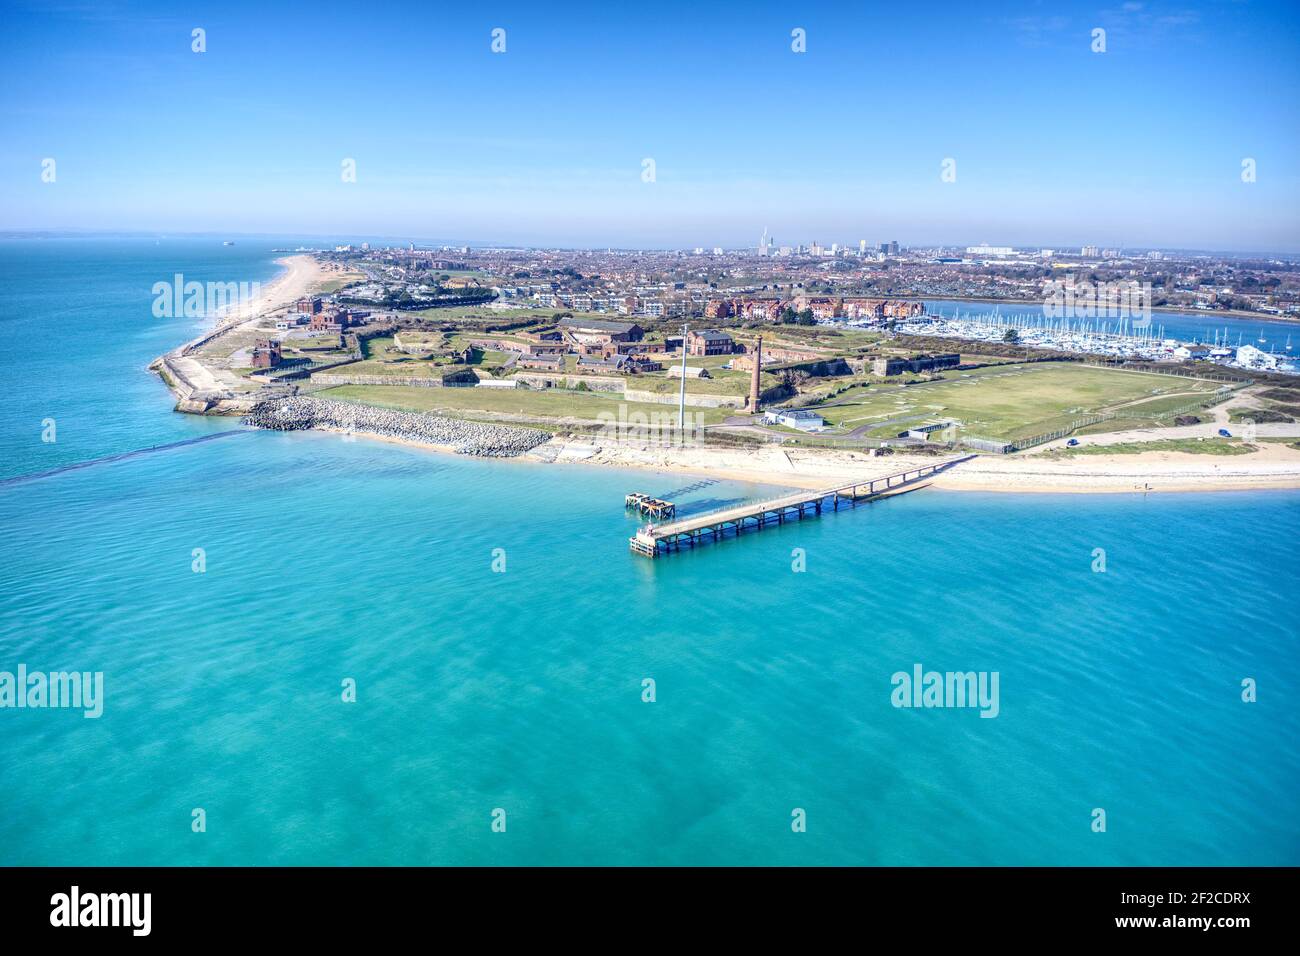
x=1190, y=446
x=550, y=404
x=411, y=368
x=382, y=357
x=822, y=336
x=482, y=315
x=315, y=343
x=722, y=382
x=424, y=341
x=334, y=284
x=1011, y=401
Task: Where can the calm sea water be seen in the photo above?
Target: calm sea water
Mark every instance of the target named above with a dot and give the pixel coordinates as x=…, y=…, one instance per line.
x=329, y=559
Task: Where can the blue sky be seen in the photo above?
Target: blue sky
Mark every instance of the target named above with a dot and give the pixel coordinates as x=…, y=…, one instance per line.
x=544, y=144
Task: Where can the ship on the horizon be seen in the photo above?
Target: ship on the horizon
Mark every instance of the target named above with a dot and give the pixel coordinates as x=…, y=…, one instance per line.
x=229, y=242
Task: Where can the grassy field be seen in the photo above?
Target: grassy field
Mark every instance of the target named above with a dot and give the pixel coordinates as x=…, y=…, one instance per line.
x=721, y=382
x=482, y=315
x=1011, y=401
x=426, y=341
x=382, y=357
x=335, y=283
x=396, y=369
x=322, y=341
x=549, y=404
x=1190, y=446
x=822, y=336
x=476, y=315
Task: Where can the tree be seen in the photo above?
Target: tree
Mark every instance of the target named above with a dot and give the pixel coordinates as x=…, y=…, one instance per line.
x=1011, y=336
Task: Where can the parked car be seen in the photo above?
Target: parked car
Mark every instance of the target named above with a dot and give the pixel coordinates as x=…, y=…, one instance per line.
x=1071, y=443
x=1224, y=433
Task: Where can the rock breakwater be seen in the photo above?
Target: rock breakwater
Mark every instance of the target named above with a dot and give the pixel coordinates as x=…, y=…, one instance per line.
x=467, y=438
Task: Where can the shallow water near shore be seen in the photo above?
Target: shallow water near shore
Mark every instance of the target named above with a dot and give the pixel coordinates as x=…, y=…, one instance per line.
x=328, y=559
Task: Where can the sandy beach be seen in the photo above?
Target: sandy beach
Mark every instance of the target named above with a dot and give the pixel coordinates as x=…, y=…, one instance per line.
x=1274, y=465
x=302, y=275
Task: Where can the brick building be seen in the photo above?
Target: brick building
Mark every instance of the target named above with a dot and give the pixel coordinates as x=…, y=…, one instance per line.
x=719, y=309
x=266, y=353
x=709, y=342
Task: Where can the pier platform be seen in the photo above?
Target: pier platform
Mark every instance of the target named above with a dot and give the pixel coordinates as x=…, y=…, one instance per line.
x=650, y=506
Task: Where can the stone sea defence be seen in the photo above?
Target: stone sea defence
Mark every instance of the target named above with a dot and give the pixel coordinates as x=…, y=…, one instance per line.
x=468, y=438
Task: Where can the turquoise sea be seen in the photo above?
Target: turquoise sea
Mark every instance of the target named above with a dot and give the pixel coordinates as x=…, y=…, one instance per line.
x=329, y=559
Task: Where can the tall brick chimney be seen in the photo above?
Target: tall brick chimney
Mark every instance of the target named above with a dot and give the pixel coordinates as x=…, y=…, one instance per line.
x=753, y=382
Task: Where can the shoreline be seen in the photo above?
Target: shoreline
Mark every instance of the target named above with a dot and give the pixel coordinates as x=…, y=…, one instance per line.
x=198, y=389
x=196, y=386
x=1113, y=477
x=298, y=272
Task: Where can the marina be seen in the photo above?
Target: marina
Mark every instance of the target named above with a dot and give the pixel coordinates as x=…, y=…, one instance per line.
x=1138, y=337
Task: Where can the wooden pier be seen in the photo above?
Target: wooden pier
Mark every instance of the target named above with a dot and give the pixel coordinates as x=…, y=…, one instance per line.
x=655, y=540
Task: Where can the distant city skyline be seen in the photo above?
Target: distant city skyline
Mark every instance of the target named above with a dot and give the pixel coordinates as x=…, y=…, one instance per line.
x=672, y=128
x=427, y=242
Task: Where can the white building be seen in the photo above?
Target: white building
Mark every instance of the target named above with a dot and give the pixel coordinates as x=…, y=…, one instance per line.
x=1250, y=357
x=799, y=418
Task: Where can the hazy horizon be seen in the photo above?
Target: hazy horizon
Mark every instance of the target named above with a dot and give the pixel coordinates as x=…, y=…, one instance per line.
x=546, y=144
x=428, y=242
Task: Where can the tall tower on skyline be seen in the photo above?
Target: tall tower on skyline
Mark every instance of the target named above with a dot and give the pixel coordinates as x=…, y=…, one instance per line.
x=764, y=243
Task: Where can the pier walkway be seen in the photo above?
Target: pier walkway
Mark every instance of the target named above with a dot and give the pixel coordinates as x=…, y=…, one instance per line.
x=654, y=540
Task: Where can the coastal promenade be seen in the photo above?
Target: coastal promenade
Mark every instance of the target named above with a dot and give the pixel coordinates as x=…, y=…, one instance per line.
x=654, y=540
